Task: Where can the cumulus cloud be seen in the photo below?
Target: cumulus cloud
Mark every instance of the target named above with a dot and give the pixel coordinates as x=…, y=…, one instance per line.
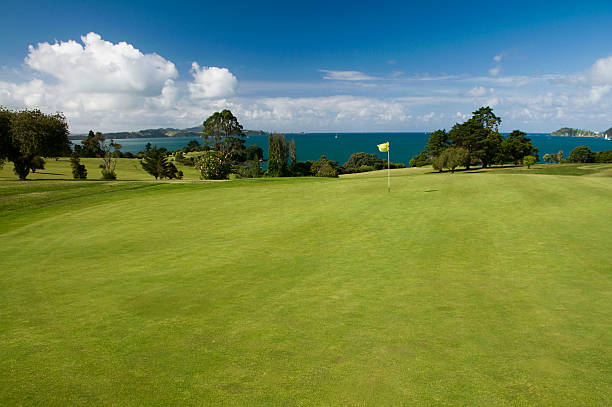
x=346, y=75
x=211, y=82
x=494, y=71
x=498, y=58
x=101, y=66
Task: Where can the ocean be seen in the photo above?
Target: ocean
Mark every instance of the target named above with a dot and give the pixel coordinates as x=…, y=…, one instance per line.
x=339, y=146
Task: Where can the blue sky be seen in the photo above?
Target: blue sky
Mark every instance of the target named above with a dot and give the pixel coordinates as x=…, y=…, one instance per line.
x=346, y=66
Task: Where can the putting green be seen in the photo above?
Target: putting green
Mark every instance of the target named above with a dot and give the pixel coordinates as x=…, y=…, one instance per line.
x=464, y=289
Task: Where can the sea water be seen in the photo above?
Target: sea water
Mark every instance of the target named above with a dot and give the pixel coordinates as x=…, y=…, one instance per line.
x=340, y=146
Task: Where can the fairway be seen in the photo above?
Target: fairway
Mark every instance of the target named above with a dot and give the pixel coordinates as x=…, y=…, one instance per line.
x=481, y=289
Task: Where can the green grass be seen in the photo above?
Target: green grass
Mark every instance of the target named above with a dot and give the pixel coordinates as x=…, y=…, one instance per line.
x=489, y=288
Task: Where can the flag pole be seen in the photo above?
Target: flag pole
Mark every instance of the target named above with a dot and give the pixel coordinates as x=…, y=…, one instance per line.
x=388, y=170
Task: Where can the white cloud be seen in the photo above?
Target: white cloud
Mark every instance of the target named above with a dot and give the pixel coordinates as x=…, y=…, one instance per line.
x=101, y=66
x=478, y=91
x=346, y=75
x=494, y=71
x=601, y=71
x=211, y=82
x=498, y=58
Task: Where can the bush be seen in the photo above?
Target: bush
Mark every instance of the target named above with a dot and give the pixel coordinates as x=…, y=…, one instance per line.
x=529, y=160
x=451, y=158
x=324, y=168
x=603, y=156
x=213, y=165
x=581, y=154
x=251, y=169
x=420, y=160
x=78, y=169
x=108, y=174
x=37, y=163
x=302, y=168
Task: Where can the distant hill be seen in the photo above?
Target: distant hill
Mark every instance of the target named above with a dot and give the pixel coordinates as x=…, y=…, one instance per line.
x=569, y=132
x=157, y=133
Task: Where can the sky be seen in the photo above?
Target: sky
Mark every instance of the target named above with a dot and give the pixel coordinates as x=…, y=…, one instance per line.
x=310, y=66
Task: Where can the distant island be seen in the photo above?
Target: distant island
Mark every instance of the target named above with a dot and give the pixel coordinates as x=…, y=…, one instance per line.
x=159, y=133
x=570, y=132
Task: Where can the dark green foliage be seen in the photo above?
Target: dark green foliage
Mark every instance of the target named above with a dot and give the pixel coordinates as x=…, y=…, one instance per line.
x=324, y=168
x=253, y=152
x=517, y=146
x=37, y=163
x=78, y=169
x=155, y=162
x=92, y=146
x=451, y=158
x=420, y=160
x=277, y=155
x=362, y=162
x=225, y=131
x=438, y=141
x=250, y=169
x=603, y=156
x=302, y=168
x=193, y=145
x=487, y=118
x=581, y=154
x=213, y=165
x=27, y=134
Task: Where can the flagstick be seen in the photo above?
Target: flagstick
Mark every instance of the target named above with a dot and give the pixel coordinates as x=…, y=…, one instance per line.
x=388, y=170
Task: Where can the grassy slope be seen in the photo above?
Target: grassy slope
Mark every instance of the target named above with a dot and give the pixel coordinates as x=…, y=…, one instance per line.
x=477, y=289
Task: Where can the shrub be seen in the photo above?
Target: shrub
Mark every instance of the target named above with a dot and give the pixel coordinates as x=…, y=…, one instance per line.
x=108, y=174
x=529, y=160
x=324, y=168
x=213, y=165
x=78, y=169
x=581, y=154
x=37, y=163
x=420, y=160
x=603, y=156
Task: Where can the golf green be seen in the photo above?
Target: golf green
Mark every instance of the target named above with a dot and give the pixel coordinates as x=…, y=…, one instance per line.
x=490, y=288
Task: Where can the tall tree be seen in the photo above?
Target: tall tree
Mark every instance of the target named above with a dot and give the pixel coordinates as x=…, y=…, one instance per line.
x=277, y=155
x=517, y=146
x=292, y=153
x=487, y=118
x=92, y=146
x=31, y=133
x=156, y=163
x=438, y=141
x=224, y=129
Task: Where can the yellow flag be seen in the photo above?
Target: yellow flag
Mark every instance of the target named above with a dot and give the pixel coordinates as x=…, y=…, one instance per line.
x=384, y=147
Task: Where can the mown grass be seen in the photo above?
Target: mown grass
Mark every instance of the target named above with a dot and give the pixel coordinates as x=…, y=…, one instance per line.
x=454, y=289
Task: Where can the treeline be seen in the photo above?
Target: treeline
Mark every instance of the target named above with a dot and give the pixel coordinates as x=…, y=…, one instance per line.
x=583, y=154
x=476, y=141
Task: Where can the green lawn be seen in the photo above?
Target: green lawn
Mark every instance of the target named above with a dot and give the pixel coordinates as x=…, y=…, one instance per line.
x=485, y=288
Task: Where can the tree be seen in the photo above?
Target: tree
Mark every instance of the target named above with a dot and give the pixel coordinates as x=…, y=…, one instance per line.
x=277, y=155
x=156, y=163
x=420, y=160
x=438, y=141
x=324, y=168
x=37, y=163
x=27, y=134
x=529, y=160
x=581, y=154
x=518, y=146
x=109, y=162
x=451, y=158
x=469, y=135
x=253, y=152
x=558, y=157
x=224, y=129
x=78, y=169
x=213, y=165
x=547, y=158
x=292, y=153
x=487, y=118
x=92, y=146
